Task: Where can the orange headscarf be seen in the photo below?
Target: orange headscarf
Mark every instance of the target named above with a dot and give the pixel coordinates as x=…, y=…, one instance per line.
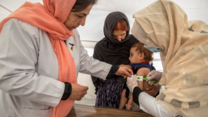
x=50, y=17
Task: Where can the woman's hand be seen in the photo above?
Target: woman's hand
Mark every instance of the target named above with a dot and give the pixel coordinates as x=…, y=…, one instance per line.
x=124, y=70
x=78, y=91
x=122, y=65
x=154, y=75
x=153, y=90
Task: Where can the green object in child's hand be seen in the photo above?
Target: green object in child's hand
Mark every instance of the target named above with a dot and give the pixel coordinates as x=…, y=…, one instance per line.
x=151, y=80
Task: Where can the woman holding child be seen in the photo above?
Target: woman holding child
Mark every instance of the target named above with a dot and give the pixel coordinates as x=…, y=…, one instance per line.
x=114, y=49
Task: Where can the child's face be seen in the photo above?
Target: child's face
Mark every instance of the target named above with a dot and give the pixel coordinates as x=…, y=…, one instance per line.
x=135, y=57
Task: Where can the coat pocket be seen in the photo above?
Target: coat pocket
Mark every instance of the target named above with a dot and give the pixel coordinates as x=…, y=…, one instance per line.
x=29, y=112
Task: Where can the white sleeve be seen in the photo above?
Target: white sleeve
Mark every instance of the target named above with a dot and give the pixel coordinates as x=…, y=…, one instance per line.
x=18, y=58
x=92, y=66
x=149, y=105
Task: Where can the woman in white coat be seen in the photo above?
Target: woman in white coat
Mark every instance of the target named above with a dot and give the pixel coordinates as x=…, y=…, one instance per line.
x=184, y=53
x=41, y=55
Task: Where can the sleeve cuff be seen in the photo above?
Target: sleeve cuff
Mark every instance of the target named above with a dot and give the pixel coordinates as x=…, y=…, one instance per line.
x=157, y=93
x=67, y=91
x=112, y=71
x=136, y=93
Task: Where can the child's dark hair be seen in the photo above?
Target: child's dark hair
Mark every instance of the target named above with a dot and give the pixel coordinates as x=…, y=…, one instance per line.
x=141, y=49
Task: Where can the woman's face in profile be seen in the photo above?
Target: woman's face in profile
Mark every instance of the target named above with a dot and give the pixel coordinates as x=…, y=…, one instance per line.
x=119, y=34
x=77, y=18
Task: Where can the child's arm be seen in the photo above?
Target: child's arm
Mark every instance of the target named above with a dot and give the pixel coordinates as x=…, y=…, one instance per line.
x=153, y=90
x=129, y=104
x=142, y=72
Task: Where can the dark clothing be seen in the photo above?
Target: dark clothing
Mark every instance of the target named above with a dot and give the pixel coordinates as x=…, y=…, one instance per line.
x=137, y=66
x=109, y=49
x=136, y=93
x=109, y=92
x=114, y=52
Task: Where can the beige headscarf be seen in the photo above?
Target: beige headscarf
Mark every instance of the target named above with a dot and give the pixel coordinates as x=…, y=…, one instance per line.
x=164, y=25
x=198, y=26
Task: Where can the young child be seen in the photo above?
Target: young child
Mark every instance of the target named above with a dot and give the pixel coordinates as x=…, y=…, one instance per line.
x=139, y=59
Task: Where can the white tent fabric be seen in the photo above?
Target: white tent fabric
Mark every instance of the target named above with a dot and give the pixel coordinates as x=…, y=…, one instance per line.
x=93, y=29
x=196, y=10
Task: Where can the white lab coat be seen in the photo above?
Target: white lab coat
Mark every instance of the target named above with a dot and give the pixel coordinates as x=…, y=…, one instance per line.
x=29, y=69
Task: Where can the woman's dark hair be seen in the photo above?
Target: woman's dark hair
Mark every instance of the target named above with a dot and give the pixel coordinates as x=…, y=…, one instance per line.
x=82, y=4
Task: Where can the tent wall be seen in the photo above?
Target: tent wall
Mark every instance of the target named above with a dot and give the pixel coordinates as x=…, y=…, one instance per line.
x=195, y=9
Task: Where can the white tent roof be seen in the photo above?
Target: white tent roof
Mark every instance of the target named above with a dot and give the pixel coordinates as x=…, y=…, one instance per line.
x=93, y=29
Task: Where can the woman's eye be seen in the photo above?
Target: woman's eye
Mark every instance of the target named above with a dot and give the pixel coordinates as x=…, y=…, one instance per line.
x=131, y=55
x=79, y=16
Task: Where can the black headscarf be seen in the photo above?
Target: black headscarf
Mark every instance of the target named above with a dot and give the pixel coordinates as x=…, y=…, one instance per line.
x=111, y=50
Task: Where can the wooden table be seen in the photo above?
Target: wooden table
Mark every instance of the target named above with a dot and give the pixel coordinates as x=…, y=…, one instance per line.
x=92, y=111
